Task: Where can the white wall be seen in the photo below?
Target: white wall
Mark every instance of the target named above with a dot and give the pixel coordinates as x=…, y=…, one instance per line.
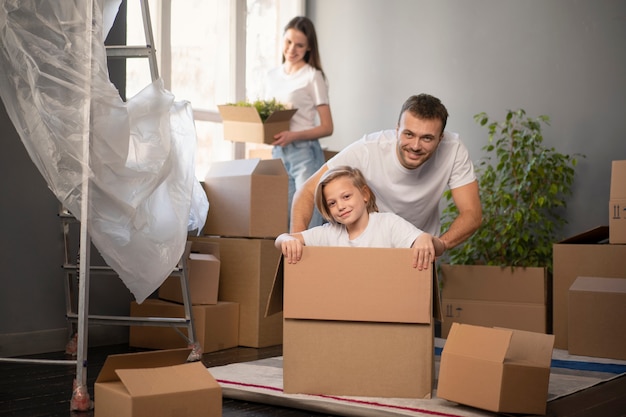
x=562, y=58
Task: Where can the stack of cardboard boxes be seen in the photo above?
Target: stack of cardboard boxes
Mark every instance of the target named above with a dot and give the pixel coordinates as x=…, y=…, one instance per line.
x=248, y=210
x=215, y=322
x=589, y=298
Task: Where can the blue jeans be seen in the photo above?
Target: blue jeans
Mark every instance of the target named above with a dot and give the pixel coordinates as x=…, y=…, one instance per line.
x=302, y=159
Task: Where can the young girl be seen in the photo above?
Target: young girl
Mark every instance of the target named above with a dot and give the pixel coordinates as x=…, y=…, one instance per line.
x=301, y=82
x=345, y=200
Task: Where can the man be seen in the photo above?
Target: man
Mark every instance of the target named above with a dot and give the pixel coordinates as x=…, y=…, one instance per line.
x=408, y=169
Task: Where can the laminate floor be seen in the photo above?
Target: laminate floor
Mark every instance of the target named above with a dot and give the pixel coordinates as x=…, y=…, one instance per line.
x=36, y=390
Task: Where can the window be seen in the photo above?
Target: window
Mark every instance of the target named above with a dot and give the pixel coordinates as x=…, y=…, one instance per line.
x=211, y=52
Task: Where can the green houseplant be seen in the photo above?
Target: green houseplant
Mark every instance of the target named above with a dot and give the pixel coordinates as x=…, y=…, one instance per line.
x=264, y=107
x=524, y=187
x=501, y=276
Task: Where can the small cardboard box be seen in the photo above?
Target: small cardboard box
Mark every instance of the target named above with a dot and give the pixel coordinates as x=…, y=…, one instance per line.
x=587, y=254
x=156, y=384
x=243, y=124
x=492, y=296
x=247, y=198
x=597, y=317
x=248, y=268
x=358, y=321
x=216, y=326
x=500, y=370
x=203, y=274
x=617, y=203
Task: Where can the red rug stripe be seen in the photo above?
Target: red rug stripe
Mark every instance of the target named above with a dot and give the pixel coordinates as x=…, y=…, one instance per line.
x=347, y=400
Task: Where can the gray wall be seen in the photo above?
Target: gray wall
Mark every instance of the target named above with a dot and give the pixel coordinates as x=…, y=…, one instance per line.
x=562, y=58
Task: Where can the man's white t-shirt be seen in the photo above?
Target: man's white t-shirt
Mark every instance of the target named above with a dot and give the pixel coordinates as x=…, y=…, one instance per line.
x=384, y=230
x=304, y=90
x=413, y=194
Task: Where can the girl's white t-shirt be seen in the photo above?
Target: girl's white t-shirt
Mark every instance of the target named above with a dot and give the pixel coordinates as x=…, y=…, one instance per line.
x=304, y=90
x=384, y=230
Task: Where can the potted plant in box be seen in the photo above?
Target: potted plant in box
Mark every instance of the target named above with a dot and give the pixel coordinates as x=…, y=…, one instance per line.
x=524, y=187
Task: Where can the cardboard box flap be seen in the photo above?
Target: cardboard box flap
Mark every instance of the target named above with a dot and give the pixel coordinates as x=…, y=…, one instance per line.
x=275, y=299
x=488, y=344
x=203, y=257
x=357, y=284
x=273, y=167
x=530, y=348
x=205, y=248
x=236, y=167
x=141, y=360
x=618, y=180
x=166, y=379
x=281, y=116
x=598, y=284
x=493, y=283
x=245, y=114
x=599, y=234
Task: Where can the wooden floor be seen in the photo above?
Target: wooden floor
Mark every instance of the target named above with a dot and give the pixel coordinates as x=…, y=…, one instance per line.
x=30, y=390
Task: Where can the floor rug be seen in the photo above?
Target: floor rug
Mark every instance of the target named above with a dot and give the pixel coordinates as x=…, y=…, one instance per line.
x=261, y=381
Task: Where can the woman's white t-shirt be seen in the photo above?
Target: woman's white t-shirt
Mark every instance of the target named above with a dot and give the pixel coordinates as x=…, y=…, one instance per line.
x=304, y=90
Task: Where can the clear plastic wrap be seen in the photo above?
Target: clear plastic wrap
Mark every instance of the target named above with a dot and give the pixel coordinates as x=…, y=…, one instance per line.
x=143, y=195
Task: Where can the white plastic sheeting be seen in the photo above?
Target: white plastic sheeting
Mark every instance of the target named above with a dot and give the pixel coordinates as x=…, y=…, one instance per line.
x=143, y=195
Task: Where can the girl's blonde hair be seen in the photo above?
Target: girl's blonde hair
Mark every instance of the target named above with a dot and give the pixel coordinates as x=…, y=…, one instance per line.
x=357, y=180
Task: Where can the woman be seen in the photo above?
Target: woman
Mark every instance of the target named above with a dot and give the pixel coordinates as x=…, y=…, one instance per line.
x=301, y=83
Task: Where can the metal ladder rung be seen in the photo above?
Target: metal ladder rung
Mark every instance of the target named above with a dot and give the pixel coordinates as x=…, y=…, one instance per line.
x=128, y=51
x=135, y=321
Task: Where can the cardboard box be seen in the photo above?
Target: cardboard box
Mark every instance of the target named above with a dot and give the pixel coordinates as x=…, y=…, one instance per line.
x=247, y=198
x=156, y=384
x=492, y=296
x=617, y=203
x=216, y=326
x=248, y=268
x=587, y=254
x=243, y=124
x=597, y=317
x=500, y=370
x=203, y=274
x=358, y=321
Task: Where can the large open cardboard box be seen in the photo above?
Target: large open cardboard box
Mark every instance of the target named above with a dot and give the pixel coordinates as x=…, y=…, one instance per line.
x=358, y=321
x=243, y=124
x=203, y=274
x=492, y=296
x=247, y=271
x=500, y=370
x=617, y=203
x=597, y=317
x=156, y=384
x=585, y=255
x=247, y=198
x=216, y=325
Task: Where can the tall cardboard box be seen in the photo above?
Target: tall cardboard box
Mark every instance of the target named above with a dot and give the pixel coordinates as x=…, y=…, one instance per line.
x=156, y=384
x=216, y=325
x=247, y=198
x=587, y=254
x=244, y=124
x=597, y=317
x=492, y=296
x=247, y=271
x=500, y=370
x=203, y=274
x=617, y=203
x=358, y=321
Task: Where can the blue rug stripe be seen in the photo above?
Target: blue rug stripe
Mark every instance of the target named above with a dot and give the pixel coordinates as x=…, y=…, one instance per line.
x=610, y=368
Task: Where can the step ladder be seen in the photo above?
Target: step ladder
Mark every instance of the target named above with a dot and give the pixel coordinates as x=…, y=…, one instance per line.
x=77, y=305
